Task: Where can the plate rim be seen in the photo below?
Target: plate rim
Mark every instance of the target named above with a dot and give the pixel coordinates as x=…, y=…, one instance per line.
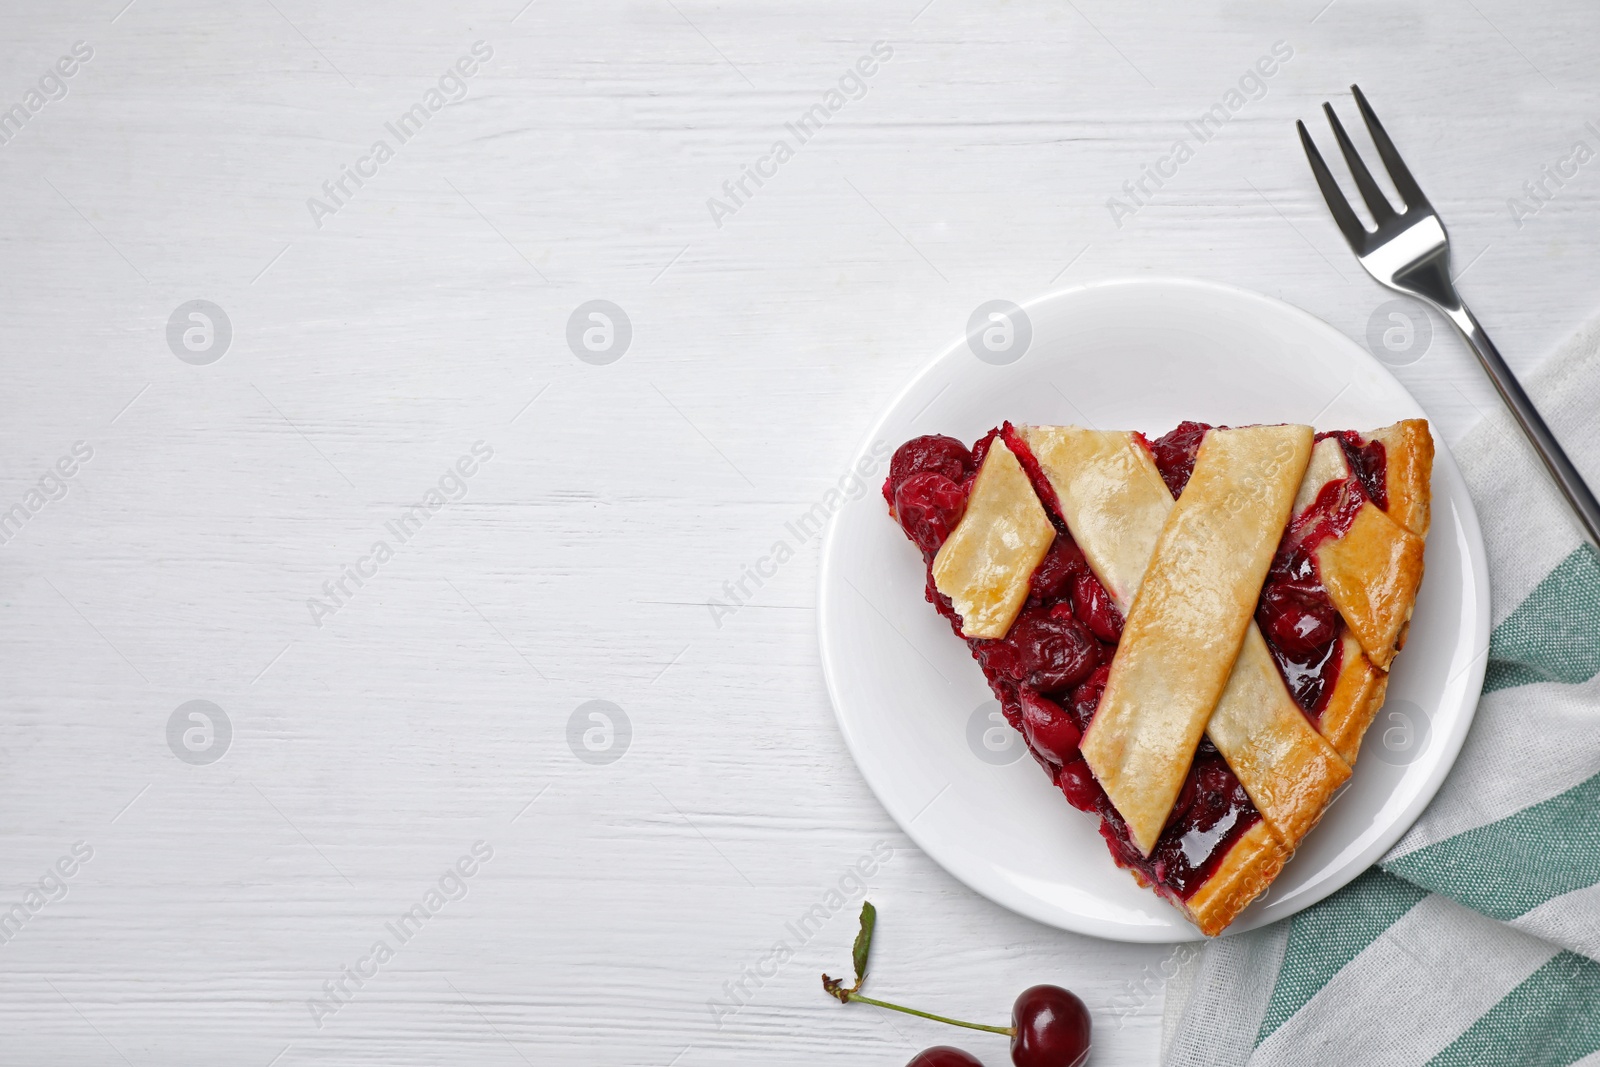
x=1475, y=554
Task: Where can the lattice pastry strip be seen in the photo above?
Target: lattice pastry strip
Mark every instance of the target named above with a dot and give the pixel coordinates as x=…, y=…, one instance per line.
x=1115, y=625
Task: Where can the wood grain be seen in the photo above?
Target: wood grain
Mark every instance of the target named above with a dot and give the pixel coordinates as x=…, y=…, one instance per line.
x=430, y=312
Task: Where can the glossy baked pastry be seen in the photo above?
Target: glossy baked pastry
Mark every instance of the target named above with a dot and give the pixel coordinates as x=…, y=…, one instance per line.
x=1192, y=634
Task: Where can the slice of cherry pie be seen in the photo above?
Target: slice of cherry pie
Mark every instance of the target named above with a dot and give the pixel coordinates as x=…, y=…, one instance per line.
x=1192, y=634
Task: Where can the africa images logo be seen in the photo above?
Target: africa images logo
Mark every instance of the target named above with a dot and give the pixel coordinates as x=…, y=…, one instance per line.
x=852, y=85
x=199, y=332
x=52, y=86
x=53, y=484
x=452, y=885
x=451, y=88
x=451, y=488
x=1252, y=85
x=199, y=732
x=852, y=485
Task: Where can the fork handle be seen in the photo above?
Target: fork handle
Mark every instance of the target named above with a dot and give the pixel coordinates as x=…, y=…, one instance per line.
x=1565, y=475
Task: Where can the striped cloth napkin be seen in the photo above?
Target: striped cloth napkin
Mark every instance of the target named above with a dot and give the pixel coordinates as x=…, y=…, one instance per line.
x=1475, y=941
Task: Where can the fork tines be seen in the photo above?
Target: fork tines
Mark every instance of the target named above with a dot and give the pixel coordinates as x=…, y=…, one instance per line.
x=1382, y=210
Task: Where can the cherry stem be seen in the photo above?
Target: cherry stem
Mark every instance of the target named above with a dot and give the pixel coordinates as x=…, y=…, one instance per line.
x=848, y=995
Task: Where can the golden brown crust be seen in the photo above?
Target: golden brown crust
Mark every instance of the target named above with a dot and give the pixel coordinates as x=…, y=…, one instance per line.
x=1357, y=695
x=1408, y=478
x=1115, y=503
x=986, y=563
x=1189, y=618
x=1290, y=768
x=1248, y=868
x=1284, y=764
x=1372, y=573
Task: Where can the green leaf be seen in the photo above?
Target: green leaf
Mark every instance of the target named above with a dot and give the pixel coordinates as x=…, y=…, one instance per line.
x=863, y=946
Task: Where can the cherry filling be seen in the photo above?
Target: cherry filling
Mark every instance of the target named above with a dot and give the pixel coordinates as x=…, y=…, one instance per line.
x=1302, y=627
x=936, y=454
x=1050, y=730
x=1175, y=452
x=1369, y=461
x=1212, y=812
x=1050, y=669
x=1054, y=650
x=929, y=478
x=1299, y=620
x=928, y=506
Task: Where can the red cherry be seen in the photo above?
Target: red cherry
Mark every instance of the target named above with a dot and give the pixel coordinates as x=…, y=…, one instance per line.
x=944, y=1056
x=1049, y=1026
x=1213, y=777
x=1053, y=577
x=1175, y=454
x=1049, y=730
x=1295, y=569
x=1077, y=783
x=1370, y=465
x=1000, y=658
x=929, y=505
x=1056, y=651
x=1086, y=697
x=1093, y=607
x=1052, y=1028
x=1300, y=624
x=935, y=453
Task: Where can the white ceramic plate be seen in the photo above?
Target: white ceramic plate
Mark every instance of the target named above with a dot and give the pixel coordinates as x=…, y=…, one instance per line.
x=915, y=709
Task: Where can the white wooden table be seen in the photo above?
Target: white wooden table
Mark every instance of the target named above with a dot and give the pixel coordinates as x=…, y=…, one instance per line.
x=370, y=735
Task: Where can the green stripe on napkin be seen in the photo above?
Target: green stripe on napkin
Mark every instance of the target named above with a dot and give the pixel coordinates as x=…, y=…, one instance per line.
x=1550, y=1020
x=1510, y=867
x=1554, y=635
x=1325, y=938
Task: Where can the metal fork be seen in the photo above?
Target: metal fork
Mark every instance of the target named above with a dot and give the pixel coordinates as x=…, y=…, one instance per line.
x=1410, y=253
